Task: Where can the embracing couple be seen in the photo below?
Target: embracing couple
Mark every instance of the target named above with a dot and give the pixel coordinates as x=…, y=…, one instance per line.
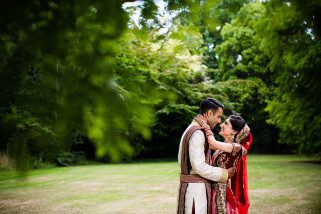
x=217, y=183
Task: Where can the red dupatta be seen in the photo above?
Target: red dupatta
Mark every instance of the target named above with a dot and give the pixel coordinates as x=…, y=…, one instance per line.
x=239, y=181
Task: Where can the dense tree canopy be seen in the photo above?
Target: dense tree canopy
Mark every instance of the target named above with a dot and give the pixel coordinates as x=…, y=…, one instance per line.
x=291, y=37
x=58, y=80
x=81, y=77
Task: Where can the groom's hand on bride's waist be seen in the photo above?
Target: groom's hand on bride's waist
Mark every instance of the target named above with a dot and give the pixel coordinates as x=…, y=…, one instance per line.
x=231, y=171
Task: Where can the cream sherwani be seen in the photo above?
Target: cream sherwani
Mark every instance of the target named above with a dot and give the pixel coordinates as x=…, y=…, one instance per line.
x=197, y=191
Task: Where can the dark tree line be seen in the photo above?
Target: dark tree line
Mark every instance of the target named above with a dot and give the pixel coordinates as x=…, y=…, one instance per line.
x=78, y=83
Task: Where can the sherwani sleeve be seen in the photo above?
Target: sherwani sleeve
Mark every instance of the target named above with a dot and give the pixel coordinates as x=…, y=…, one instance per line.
x=197, y=159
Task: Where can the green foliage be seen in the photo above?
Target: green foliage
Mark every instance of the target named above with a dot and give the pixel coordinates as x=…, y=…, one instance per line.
x=291, y=36
x=239, y=54
x=244, y=77
x=71, y=73
x=209, y=17
x=68, y=158
x=58, y=70
x=26, y=143
x=174, y=67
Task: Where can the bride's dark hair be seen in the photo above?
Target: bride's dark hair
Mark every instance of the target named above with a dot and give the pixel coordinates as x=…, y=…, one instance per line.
x=237, y=122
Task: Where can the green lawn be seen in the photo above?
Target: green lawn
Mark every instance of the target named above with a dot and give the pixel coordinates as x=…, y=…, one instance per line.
x=278, y=184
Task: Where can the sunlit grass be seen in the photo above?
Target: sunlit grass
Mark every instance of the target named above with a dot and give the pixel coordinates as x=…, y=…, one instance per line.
x=278, y=184
x=284, y=184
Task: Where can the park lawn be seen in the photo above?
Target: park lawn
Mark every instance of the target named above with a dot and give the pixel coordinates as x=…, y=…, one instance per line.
x=278, y=184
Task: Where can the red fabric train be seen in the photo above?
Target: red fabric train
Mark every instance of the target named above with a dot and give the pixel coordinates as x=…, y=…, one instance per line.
x=239, y=181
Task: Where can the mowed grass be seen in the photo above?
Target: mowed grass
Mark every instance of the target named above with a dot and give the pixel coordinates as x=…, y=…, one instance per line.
x=284, y=184
x=278, y=184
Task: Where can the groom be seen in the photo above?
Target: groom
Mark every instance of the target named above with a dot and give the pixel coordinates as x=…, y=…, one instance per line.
x=194, y=157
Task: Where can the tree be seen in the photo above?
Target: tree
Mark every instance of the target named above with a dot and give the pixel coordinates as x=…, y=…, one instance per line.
x=58, y=75
x=244, y=75
x=175, y=66
x=291, y=37
x=210, y=17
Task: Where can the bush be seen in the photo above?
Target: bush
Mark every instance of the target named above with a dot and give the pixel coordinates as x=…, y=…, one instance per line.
x=70, y=158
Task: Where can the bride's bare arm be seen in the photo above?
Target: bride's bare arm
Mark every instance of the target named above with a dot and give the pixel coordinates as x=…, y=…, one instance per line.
x=218, y=145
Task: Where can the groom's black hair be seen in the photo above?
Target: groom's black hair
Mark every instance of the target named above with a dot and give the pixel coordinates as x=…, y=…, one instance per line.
x=210, y=104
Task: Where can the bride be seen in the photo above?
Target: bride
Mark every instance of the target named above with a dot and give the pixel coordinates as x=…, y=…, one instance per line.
x=231, y=197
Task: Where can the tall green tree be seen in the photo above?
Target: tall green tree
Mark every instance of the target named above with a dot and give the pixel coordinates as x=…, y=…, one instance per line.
x=291, y=37
x=239, y=72
x=239, y=54
x=175, y=66
x=58, y=74
x=210, y=17
x=245, y=76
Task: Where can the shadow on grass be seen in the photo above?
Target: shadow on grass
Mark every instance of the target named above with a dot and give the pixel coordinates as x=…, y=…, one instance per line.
x=318, y=162
x=156, y=160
